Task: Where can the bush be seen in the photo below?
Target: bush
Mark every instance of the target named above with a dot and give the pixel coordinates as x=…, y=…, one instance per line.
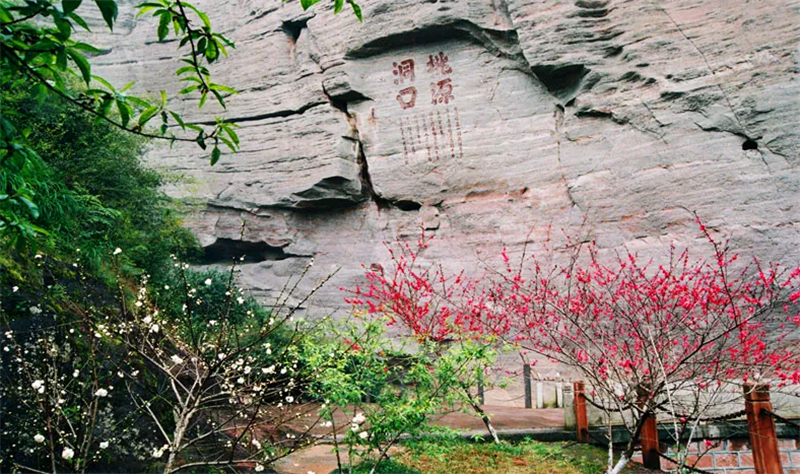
x=93, y=191
x=95, y=385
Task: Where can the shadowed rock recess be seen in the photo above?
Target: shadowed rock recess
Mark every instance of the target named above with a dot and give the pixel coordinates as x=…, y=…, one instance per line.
x=489, y=122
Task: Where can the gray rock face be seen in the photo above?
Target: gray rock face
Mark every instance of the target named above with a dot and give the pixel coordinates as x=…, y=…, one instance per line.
x=489, y=122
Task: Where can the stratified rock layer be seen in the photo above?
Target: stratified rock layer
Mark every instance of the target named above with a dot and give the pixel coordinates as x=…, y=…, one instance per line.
x=518, y=118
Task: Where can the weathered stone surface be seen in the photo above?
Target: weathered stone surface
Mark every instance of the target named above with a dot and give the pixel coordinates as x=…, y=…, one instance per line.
x=629, y=114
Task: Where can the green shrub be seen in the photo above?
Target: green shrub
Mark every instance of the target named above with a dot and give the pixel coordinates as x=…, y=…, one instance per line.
x=92, y=190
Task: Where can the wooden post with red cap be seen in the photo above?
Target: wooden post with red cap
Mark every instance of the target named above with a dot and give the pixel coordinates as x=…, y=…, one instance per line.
x=761, y=425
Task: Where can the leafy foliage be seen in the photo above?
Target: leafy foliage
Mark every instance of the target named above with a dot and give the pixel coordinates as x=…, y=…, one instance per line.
x=388, y=390
x=38, y=49
x=94, y=194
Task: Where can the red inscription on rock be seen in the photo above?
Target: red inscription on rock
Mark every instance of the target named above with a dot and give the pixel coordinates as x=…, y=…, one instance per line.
x=403, y=71
x=407, y=98
x=439, y=65
x=442, y=92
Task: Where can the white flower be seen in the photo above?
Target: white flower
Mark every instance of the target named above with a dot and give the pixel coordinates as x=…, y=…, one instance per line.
x=220, y=356
x=269, y=370
x=176, y=359
x=327, y=424
x=38, y=385
x=363, y=435
x=101, y=392
x=75, y=373
x=138, y=304
x=256, y=443
x=38, y=256
x=117, y=251
x=103, y=444
x=259, y=468
x=311, y=472
x=359, y=418
x=35, y=310
x=39, y=438
x=166, y=287
x=14, y=289
x=247, y=370
x=147, y=320
x=67, y=454
x=240, y=380
x=157, y=453
x=289, y=399
x=154, y=328
x=240, y=300
x=208, y=281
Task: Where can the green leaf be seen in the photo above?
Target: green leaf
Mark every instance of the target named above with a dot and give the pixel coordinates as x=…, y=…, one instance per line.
x=144, y=10
x=228, y=143
x=178, y=119
x=215, y=154
x=146, y=7
x=83, y=65
x=86, y=47
x=219, y=99
x=33, y=208
x=105, y=83
x=163, y=99
x=337, y=6
x=163, y=25
x=189, y=89
x=148, y=114
x=221, y=88
x=79, y=20
x=184, y=70
x=64, y=27
x=61, y=59
x=203, y=99
x=306, y=4
x=356, y=9
x=212, y=51
x=39, y=92
x=127, y=86
x=229, y=130
x=70, y=6
x=202, y=15
x=201, y=140
x=124, y=111
x=201, y=46
x=105, y=106
x=109, y=10
x=137, y=101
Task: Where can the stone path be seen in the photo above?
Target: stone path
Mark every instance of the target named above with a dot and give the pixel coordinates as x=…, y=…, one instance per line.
x=320, y=459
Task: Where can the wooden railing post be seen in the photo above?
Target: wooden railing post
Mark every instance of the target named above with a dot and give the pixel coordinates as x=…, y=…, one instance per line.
x=763, y=439
x=526, y=380
x=648, y=437
x=581, y=418
x=649, y=441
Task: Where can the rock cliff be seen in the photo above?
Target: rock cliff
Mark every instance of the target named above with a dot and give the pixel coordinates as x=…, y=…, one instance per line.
x=487, y=121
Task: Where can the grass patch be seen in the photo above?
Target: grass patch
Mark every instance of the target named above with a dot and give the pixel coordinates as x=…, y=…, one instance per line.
x=461, y=456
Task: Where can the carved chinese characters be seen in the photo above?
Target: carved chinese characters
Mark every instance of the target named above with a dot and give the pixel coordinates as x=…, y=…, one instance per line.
x=436, y=131
x=404, y=72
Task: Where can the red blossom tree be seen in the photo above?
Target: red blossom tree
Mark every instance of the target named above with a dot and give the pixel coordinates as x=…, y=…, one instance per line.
x=650, y=337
